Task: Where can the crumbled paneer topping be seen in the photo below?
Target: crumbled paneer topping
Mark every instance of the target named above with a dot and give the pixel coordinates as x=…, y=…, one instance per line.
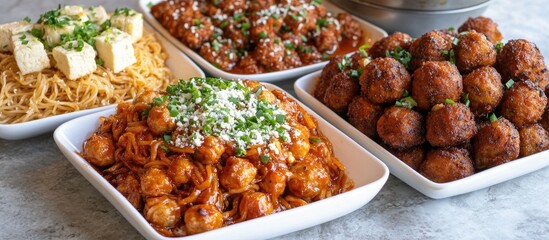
x=225, y=109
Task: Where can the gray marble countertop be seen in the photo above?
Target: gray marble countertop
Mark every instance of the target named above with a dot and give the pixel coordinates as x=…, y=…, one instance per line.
x=42, y=196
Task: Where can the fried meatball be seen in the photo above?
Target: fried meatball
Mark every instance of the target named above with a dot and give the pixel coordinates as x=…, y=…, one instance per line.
x=327, y=40
x=473, y=51
x=328, y=72
x=196, y=32
x=533, y=139
x=384, y=81
x=413, y=156
x=447, y=164
x=363, y=115
x=450, y=125
x=249, y=65
x=482, y=25
x=343, y=88
x=484, y=88
x=523, y=104
x=435, y=82
x=255, y=204
x=430, y=47
x=390, y=43
x=99, y=150
x=309, y=54
x=496, y=143
x=521, y=60
x=545, y=119
x=350, y=28
x=202, y=218
x=270, y=54
x=401, y=128
x=221, y=54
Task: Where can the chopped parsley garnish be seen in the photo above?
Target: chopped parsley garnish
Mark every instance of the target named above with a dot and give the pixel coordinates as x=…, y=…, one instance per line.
x=265, y=159
x=407, y=102
x=400, y=55
x=225, y=109
x=509, y=84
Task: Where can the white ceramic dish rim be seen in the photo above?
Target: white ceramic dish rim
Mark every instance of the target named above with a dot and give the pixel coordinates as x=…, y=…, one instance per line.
x=303, y=87
x=263, y=77
x=360, y=196
x=36, y=127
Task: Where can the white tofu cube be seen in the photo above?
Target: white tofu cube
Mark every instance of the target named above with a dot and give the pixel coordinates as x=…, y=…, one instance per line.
x=52, y=34
x=76, y=13
x=115, y=48
x=29, y=53
x=128, y=21
x=98, y=15
x=8, y=30
x=73, y=60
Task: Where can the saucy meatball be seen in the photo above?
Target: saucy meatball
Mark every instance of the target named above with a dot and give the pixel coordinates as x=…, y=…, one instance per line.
x=390, y=43
x=496, y=143
x=473, y=51
x=328, y=72
x=482, y=25
x=447, y=164
x=434, y=82
x=249, y=65
x=221, y=54
x=521, y=60
x=202, y=218
x=523, y=104
x=180, y=170
x=196, y=32
x=430, y=47
x=484, y=89
x=533, y=139
x=237, y=173
x=270, y=54
x=450, y=125
x=99, y=150
x=155, y=182
x=401, y=128
x=413, y=156
x=159, y=120
x=363, y=115
x=255, y=204
x=350, y=28
x=162, y=211
x=343, y=88
x=274, y=182
x=210, y=151
x=308, y=179
x=384, y=81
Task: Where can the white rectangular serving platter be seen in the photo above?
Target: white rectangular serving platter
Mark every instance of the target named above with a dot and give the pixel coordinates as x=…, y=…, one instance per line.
x=304, y=88
x=374, y=33
x=368, y=173
x=180, y=65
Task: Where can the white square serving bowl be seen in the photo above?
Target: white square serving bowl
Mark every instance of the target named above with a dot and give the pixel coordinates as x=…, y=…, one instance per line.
x=304, y=88
x=368, y=173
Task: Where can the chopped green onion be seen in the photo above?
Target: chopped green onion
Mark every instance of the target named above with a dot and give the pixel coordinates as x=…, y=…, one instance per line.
x=493, y=117
x=317, y=2
x=240, y=152
x=280, y=118
x=27, y=19
x=465, y=99
x=216, y=46
x=197, y=22
x=400, y=55
x=224, y=24
x=451, y=55
x=449, y=101
x=322, y=22
x=499, y=46
x=149, y=4
x=455, y=41
x=163, y=147
x=314, y=140
x=451, y=29
x=277, y=41
x=158, y=101
x=265, y=158
x=262, y=35
x=362, y=50
x=168, y=138
x=407, y=102
x=289, y=46
x=509, y=84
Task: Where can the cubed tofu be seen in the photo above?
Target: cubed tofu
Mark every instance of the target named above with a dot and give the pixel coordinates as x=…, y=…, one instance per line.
x=75, y=60
x=115, y=48
x=52, y=34
x=76, y=13
x=29, y=52
x=8, y=30
x=128, y=21
x=98, y=15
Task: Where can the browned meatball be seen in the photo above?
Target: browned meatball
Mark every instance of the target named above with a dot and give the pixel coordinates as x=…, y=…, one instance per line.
x=308, y=179
x=327, y=40
x=484, y=88
x=384, y=81
x=343, y=88
x=291, y=59
x=159, y=120
x=249, y=65
x=196, y=32
x=270, y=54
x=523, y=104
x=180, y=170
x=521, y=60
x=155, y=182
x=496, y=143
x=434, y=82
x=237, y=173
x=473, y=51
x=232, y=6
x=413, y=156
x=390, y=43
x=309, y=54
x=430, y=47
x=221, y=54
x=544, y=121
x=232, y=30
x=99, y=150
x=162, y=211
x=363, y=115
x=255, y=204
x=447, y=164
x=401, y=128
x=450, y=125
x=482, y=25
x=328, y=73
x=202, y=218
x=533, y=139
x=300, y=22
x=350, y=28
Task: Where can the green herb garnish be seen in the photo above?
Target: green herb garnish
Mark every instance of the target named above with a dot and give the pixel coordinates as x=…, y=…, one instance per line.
x=400, y=55
x=407, y=102
x=509, y=84
x=265, y=158
x=449, y=101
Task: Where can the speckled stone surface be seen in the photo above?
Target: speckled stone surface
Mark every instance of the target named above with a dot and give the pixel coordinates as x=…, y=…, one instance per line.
x=42, y=196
